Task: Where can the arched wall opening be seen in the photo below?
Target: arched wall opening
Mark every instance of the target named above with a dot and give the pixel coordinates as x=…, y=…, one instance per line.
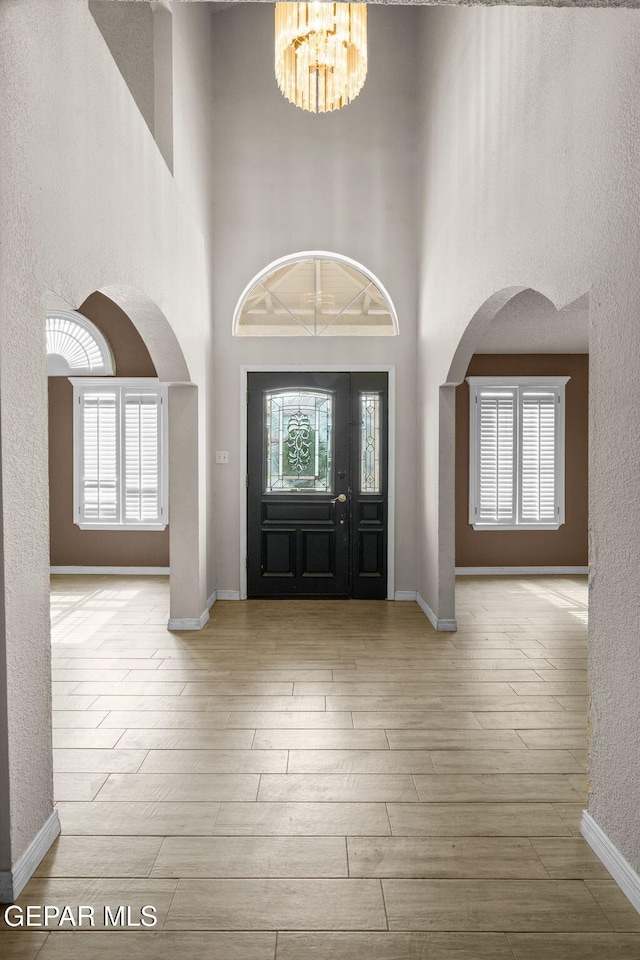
x=516, y=332
x=144, y=345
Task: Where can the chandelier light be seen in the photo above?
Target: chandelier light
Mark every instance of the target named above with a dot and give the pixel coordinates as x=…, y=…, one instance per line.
x=321, y=53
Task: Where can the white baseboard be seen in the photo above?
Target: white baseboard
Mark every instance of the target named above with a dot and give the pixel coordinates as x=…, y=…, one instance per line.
x=114, y=571
x=519, y=571
x=13, y=882
x=405, y=595
x=193, y=623
x=228, y=594
x=437, y=624
x=619, y=868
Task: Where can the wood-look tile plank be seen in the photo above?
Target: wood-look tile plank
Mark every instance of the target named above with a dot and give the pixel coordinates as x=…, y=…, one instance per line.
x=149, y=702
x=77, y=719
x=438, y=858
x=496, y=787
x=621, y=914
x=512, y=704
x=575, y=946
x=214, y=761
x=313, y=739
x=155, y=818
x=166, y=720
x=569, y=858
x=360, y=788
x=475, y=820
x=97, y=761
x=77, y=786
x=558, y=719
x=234, y=857
x=61, y=674
x=295, y=704
x=301, y=719
x=571, y=814
x=360, y=761
x=411, y=719
x=157, y=945
x=232, y=688
x=395, y=946
x=518, y=905
x=186, y=739
x=100, y=857
x=466, y=689
x=98, y=893
x=86, y=739
x=550, y=689
x=179, y=787
x=566, y=739
x=21, y=944
x=277, y=675
x=176, y=675
x=393, y=704
x=69, y=702
x=124, y=688
x=277, y=904
x=505, y=761
x=425, y=739
x=302, y=819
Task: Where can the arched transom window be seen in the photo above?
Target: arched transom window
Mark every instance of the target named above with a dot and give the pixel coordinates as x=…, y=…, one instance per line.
x=315, y=295
x=76, y=346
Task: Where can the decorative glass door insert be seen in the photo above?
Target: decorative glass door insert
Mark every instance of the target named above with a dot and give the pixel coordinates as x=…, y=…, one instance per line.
x=370, y=442
x=299, y=441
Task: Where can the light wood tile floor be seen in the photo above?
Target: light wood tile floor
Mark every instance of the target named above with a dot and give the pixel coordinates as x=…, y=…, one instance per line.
x=325, y=781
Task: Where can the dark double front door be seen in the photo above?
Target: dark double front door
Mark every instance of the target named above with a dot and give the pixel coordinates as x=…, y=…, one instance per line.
x=317, y=485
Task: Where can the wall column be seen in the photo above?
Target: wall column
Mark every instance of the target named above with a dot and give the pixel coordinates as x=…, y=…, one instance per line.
x=614, y=548
x=28, y=823
x=189, y=605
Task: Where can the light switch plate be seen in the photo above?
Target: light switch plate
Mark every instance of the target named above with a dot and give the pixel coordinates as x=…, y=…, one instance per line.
x=222, y=456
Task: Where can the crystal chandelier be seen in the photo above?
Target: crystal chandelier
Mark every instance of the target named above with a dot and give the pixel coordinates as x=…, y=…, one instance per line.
x=321, y=53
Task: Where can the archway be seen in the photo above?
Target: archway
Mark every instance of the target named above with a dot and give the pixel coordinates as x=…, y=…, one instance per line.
x=188, y=601
x=502, y=316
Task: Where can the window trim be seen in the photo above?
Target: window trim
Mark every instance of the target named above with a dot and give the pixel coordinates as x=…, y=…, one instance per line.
x=555, y=384
x=82, y=385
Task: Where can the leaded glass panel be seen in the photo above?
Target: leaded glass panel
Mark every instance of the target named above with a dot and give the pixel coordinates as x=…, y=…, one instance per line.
x=299, y=441
x=370, y=442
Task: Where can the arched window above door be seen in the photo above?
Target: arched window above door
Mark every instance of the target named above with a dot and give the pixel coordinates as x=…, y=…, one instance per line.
x=315, y=294
x=76, y=347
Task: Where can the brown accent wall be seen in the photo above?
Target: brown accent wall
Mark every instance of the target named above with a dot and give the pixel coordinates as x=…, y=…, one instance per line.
x=71, y=546
x=566, y=546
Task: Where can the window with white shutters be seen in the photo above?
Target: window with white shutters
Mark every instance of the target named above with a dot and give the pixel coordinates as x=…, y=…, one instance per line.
x=120, y=454
x=516, y=475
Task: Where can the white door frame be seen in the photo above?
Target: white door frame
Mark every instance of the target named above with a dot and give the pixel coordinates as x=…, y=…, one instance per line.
x=391, y=451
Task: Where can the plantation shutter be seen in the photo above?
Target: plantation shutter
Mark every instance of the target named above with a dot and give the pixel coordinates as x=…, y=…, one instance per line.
x=496, y=456
x=142, y=447
x=539, y=427
x=120, y=455
x=99, y=466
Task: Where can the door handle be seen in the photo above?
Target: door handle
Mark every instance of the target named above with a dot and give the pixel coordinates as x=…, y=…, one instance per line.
x=341, y=498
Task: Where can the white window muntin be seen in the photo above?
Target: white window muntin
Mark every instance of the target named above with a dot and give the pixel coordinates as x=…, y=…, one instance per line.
x=117, y=515
x=76, y=346
x=524, y=392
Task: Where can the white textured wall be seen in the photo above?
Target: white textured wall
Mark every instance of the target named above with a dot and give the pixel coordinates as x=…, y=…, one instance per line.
x=531, y=136
x=86, y=201
x=288, y=181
